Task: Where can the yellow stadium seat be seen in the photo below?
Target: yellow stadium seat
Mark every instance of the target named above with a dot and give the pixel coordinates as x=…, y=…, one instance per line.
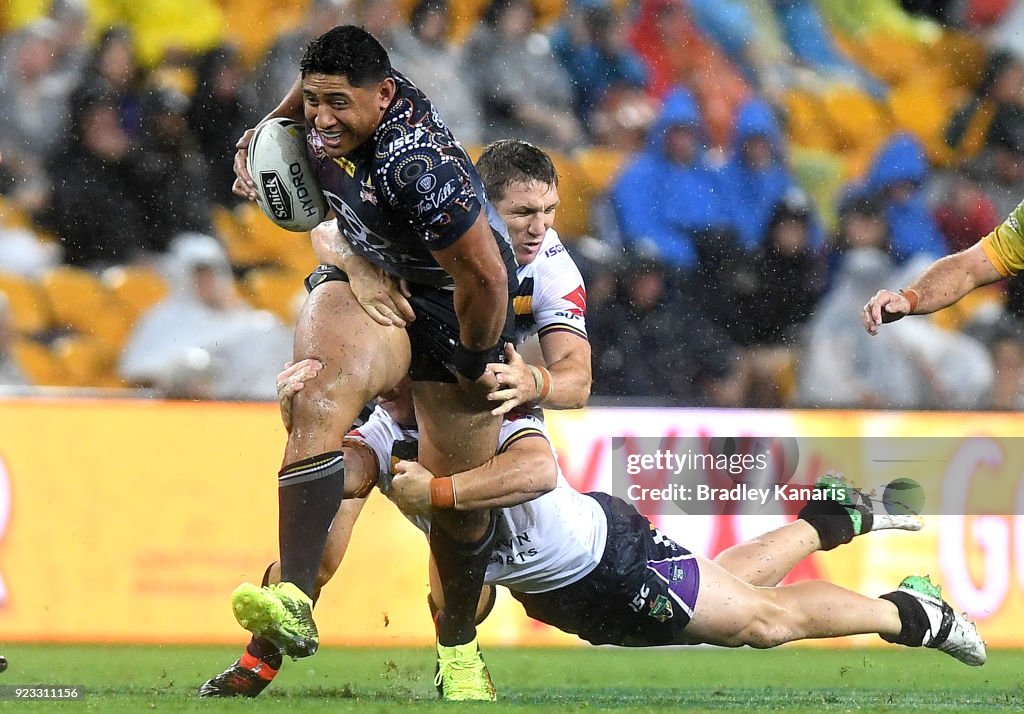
x=575, y=195
x=806, y=122
x=136, y=287
x=251, y=239
x=275, y=290
x=924, y=111
x=956, y=316
x=962, y=57
x=857, y=120
x=274, y=18
x=287, y=249
x=37, y=362
x=464, y=16
x=87, y=361
x=474, y=151
x=600, y=166
x=82, y=303
x=13, y=216
x=29, y=307
x=894, y=58
x=159, y=26
x=240, y=248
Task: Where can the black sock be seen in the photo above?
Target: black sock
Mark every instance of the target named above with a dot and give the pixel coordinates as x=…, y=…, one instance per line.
x=912, y=617
x=832, y=521
x=461, y=567
x=309, y=494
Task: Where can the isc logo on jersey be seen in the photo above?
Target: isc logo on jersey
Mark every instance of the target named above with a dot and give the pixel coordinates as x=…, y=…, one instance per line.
x=286, y=189
x=396, y=145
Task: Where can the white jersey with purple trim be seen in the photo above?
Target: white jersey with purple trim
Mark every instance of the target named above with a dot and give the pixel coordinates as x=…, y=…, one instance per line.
x=541, y=545
x=551, y=297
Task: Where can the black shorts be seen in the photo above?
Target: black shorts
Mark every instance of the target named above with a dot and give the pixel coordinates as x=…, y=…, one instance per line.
x=641, y=594
x=433, y=335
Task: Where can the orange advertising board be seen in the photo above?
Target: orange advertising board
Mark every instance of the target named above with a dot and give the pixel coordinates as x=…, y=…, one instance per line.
x=132, y=521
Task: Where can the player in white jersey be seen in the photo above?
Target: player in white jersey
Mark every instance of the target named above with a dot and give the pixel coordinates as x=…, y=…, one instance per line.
x=591, y=565
x=544, y=543
x=522, y=185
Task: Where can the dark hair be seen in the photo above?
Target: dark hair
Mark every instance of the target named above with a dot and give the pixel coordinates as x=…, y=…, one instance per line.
x=350, y=52
x=509, y=160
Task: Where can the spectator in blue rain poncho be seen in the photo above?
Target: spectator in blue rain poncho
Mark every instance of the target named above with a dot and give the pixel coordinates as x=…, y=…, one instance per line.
x=756, y=177
x=667, y=194
x=896, y=178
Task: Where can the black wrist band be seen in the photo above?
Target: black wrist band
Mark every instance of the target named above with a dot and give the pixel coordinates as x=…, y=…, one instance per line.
x=471, y=363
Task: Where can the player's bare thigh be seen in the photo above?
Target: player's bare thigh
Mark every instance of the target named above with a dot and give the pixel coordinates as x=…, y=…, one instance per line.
x=726, y=608
x=361, y=359
x=457, y=433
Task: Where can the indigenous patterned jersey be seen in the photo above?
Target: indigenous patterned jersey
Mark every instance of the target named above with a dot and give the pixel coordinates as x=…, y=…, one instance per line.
x=1005, y=245
x=551, y=295
x=409, y=190
x=541, y=545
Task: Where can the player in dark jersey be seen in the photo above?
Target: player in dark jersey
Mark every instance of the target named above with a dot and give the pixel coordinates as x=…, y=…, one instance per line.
x=522, y=183
x=407, y=199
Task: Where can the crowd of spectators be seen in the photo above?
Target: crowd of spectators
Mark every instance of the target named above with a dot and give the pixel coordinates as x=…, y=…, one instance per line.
x=772, y=164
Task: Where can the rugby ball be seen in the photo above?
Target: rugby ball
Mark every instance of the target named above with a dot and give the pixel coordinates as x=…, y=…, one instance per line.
x=286, y=188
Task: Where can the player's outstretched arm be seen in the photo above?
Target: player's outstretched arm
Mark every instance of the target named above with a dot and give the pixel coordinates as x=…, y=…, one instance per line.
x=563, y=384
x=481, y=297
x=384, y=298
x=291, y=108
x=521, y=473
x=945, y=282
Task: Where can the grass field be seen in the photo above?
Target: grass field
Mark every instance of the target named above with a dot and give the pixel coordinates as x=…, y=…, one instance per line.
x=138, y=679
